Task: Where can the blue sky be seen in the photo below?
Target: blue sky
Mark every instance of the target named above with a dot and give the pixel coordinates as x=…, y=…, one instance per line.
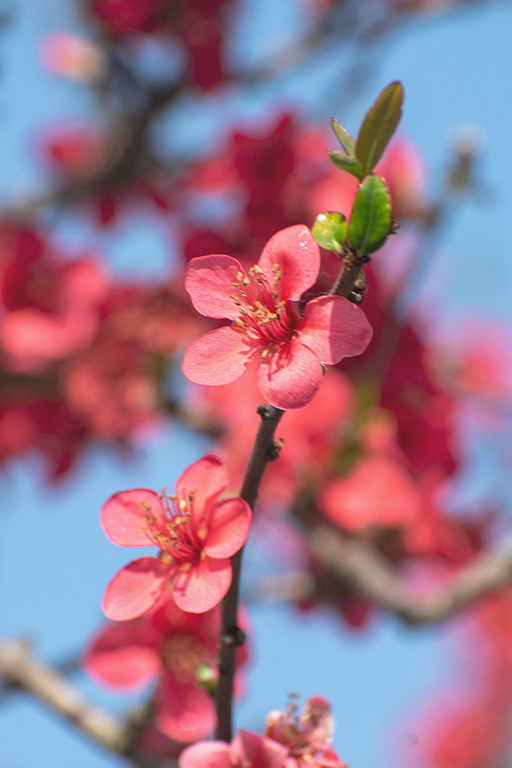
x=54, y=559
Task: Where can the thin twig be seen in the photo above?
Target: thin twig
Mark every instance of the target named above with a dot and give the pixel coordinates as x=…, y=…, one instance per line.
x=264, y=450
x=19, y=670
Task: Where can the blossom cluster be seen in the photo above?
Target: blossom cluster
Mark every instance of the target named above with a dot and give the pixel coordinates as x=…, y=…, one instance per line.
x=291, y=740
x=373, y=398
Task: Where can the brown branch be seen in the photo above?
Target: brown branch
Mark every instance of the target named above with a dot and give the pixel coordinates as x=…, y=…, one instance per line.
x=355, y=565
x=347, y=277
x=19, y=670
x=265, y=449
x=126, y=146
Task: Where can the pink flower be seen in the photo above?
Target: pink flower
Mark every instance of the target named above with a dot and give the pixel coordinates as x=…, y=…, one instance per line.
x=291, y=741
x=265, y=319
x=377, y=491
x=307, y=735
x=170, y=645
x=196, y=533
x=247, y=749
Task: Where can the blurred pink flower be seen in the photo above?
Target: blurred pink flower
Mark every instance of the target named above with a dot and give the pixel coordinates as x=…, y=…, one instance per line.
x=169, y=645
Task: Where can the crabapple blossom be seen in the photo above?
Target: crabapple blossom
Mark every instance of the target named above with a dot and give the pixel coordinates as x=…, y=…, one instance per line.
x=247, y=749
x=378, y=491
x=196, y=533
x=262, y=305
x=291, y=741
x=307, y=735
x=169, y=645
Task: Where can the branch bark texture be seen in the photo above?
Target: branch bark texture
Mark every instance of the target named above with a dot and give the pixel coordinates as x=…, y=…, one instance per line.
x=264, y=450
x=360, y=567
x=19, y=670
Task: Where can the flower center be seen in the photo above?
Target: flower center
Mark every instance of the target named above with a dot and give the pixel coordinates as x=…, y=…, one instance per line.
x=182, y=655
x=178, y=539
x=262, y=315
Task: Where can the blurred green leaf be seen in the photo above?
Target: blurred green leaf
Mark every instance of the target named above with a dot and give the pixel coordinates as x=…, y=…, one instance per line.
x=347, y=163
x=371, y=215
x=379, y=125
x=330, y=230
x=345, y=139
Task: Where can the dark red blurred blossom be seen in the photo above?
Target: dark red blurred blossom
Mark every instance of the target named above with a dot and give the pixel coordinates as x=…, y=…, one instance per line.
x=42, y=424
x=82, y=153
x=200, y=25
x=122, y=16
x=282, y=176
x=425, y=414
x=52, y=305
x=74, y=151
x=170, y=646
x=115, y=386
x=310, y=434
x=89, y=356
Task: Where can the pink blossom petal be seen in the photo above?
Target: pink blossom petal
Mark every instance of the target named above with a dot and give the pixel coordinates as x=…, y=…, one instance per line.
x=257, y=751
x=219, y=357
x=135, y=589
x=184, y=712
x=204, y=480
x=230, y=521
x=204, y=586
x=209, y=282
x=334, y=328
x=123, y=517
x=298, y=260
x=290, y=377
x=118, y=657
x=206, y=754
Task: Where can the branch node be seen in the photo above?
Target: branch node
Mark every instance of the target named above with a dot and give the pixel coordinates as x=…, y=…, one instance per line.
x=234, y=638
x=275, y=449
x=265, y=411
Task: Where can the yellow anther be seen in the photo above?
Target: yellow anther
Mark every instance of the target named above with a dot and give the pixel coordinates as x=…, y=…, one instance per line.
x=182, y=505
x=202, y=532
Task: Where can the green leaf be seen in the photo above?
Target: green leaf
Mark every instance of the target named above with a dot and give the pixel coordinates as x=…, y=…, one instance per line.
x=379, y=125
x=330, y=230
x=345, y=139
x=347, y=163
x=371, y=215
